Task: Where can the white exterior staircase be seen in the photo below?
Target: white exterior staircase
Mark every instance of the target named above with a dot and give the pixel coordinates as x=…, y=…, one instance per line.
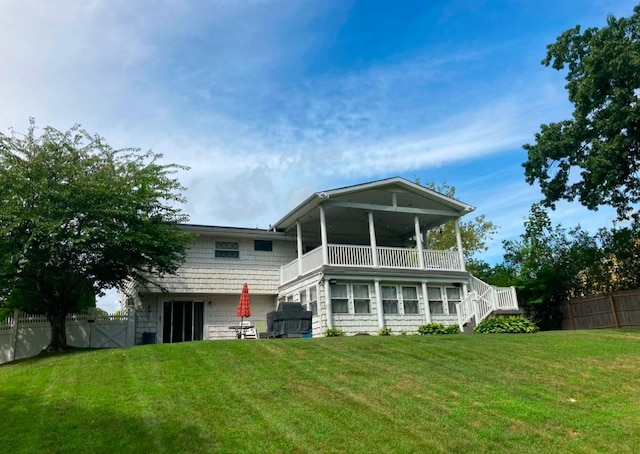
x=483, y=300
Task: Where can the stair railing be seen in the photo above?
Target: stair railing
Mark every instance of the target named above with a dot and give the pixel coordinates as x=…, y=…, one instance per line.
x=483, y=300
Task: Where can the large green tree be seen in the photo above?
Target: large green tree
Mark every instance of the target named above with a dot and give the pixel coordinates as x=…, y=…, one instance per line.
x=475, y=232
x=77, y=216
x=595, y=156
x=551, y=264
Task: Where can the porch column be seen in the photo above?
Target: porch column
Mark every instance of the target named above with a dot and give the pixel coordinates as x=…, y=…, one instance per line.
x=323, y=235
x=379, y=303
x=327, y=303
x=425, y=298
x=416, y=222
x=299, y=238
x=374, y=246
x=459, y=243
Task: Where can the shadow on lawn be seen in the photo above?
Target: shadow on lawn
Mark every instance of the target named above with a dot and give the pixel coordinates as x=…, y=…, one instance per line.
x=32, y=424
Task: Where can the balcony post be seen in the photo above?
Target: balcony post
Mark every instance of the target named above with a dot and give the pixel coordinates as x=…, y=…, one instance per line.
x=327, y=303
x=379, y=303
x=323, y=235
x=299, y=240
x=372, y=237
x=416, y=222
x=459, y=244
x=425, y=298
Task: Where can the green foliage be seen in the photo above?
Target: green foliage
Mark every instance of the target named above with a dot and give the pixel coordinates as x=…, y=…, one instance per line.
x=511, y=324
x=333, y=332
x=77, y=216
x=474, y=233
x=500, y=275
x=550, y=265
x=385, y=332
x=601, y=143
x=438, y=328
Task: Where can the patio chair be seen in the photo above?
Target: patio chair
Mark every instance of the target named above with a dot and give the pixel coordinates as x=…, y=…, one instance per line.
x=249, y=333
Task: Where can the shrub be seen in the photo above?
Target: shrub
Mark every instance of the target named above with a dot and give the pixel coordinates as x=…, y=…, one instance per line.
x=438, y=328
x=385, y=332
x=334, y=332
x=510, y=324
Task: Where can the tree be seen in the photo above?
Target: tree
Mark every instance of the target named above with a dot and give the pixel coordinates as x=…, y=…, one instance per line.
x=551, y=265
x=474, y=233
x=602, y=140
x=77, y=216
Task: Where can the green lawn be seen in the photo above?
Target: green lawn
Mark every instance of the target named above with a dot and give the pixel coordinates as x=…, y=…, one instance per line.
x=548, y=392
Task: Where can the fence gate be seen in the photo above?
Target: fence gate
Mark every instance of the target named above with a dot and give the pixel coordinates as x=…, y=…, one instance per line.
x=111, y=334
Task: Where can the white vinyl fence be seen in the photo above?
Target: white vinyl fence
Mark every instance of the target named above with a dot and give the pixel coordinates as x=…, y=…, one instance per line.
x=25, y=335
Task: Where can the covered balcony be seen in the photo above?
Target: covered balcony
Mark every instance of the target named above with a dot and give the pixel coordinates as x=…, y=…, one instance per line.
x=379, y=225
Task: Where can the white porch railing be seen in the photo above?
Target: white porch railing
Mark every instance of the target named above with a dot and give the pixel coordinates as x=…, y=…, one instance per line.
x=483, y=299
x=362, y=256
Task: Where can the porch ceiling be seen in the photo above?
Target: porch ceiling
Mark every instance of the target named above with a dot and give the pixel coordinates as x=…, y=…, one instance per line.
x=394, y=204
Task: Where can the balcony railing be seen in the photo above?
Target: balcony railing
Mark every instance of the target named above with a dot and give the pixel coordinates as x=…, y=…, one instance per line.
x=362, y=257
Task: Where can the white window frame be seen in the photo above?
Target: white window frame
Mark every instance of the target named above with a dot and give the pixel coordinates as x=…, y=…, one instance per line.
x=312, y=305
x=356, y=300
x=339, y=301
x=400, y=299
x=351, y=298
x=444, y=298
x=405, y=300
x=396, y=300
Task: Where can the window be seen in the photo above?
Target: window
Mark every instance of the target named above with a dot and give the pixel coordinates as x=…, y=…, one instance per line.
x=263, y=245
x=410, y=300
x=227, y=249
x=453, y=297
x=303, y=298
x=436, y=305
x=339, y=299
x=313, y=300
x=389, y=300
x=361, y=299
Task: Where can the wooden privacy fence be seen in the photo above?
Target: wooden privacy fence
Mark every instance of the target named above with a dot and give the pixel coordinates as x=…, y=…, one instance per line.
x=25, y=335
x=612, y=310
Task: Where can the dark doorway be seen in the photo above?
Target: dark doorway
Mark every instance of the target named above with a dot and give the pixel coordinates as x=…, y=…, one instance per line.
x=183, y=321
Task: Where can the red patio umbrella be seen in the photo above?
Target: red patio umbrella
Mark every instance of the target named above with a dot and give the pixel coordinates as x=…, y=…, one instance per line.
x=244, y=305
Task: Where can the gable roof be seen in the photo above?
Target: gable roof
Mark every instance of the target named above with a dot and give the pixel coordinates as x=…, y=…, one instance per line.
x=395, y=203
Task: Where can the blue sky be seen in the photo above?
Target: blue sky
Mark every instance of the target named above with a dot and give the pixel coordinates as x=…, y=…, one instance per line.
x=269, y=101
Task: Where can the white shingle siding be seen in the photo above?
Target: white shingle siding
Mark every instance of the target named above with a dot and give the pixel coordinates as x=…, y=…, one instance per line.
x=222, y=313
x=203, y=272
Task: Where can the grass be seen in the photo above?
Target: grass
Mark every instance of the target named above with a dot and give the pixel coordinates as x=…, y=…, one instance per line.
x=548, y=392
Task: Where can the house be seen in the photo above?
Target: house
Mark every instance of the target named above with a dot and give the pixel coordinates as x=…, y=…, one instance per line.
x=358, y=257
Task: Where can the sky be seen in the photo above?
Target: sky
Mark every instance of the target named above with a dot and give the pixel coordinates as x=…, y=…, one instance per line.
x=268, y=101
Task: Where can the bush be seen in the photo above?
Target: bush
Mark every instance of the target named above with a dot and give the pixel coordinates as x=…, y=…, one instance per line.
x=385, y=332
x=438, y=328
x=511, y=324
x=334, y=332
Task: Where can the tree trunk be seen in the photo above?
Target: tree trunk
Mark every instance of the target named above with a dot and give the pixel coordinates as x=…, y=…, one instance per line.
x=58, y=332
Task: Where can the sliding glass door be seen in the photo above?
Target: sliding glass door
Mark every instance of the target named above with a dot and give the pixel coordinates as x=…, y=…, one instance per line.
x=183, y=321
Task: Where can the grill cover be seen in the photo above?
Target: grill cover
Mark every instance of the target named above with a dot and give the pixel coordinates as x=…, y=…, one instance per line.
x=290, y=318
